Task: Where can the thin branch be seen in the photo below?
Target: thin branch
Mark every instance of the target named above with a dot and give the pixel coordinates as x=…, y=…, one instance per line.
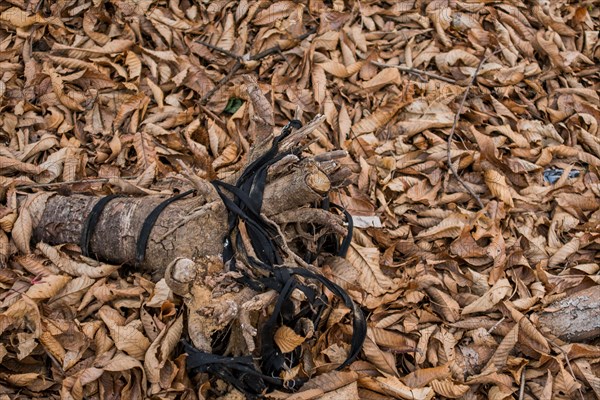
x=493, y=328
x=415, y=71
x=219, y=84
x=299, y=260
x=453, y=129
x=296, y=136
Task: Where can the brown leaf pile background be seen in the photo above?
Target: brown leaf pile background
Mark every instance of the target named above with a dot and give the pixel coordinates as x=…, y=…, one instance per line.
x=114, y=93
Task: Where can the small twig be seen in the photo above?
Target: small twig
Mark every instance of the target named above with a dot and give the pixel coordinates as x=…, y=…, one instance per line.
x=330, y=155
x=286, y=248
x=203, y=187
x=493, y=328
x=219, y=84
x=296, y=136
x=284, y=58
x=453, y=129
x=522, y=385
x=415, y=71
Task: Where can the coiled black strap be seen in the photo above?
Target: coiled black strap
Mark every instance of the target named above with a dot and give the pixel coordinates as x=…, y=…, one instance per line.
x=245, y=205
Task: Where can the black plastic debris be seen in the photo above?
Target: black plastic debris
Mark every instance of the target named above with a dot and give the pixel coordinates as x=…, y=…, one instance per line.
x=256, y=377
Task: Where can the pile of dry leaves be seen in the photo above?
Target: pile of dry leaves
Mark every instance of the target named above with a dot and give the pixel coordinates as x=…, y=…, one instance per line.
x=107, y=96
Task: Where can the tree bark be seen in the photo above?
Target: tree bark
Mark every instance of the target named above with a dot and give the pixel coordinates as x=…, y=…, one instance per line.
x=575, y=318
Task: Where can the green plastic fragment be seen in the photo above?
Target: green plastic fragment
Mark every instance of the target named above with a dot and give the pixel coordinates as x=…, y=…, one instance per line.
x=233, y=105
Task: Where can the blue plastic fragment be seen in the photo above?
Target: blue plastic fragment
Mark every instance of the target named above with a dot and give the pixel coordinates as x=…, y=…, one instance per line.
x=552, y=175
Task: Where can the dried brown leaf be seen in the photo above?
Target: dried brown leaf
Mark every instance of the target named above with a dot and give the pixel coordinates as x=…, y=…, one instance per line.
x=48, y=287
x=498, y=360
x=496, y=182
x=489, y=299
x=71, y=267
x=126, y=337
x=382, y=360
x=449, y=389
x=393, y=387
x=366, y=262
x=379, y=118
x=286, y=339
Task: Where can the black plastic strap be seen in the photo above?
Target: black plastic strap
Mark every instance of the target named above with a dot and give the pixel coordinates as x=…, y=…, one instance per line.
x=142, y=241
x=348, y=239
x=239, y=371
x=267, y=272
x=359, y=323
x=330, y=241
x=91, y=221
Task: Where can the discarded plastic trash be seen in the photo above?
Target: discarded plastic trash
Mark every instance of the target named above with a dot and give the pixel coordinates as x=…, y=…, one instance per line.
x=552, y=175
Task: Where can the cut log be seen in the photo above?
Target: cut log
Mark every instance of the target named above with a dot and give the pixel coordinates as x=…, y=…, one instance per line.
x=192, y=228
x=575, y=318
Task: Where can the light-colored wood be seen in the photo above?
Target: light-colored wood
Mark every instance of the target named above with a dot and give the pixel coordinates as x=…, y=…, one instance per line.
x=576, y=317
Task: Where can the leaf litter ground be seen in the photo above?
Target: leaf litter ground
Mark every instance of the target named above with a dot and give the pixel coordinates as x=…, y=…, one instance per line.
x=106, y=96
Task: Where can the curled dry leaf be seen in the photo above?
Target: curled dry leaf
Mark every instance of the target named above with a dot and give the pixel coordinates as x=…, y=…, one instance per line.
x=379, y=118
x=71, y=267
x=48, y=287
x=449, y=389
x=393, y=387
x=564, y=252
x=287, y=340
x=371, y=278
x=162, y=292
x=29, y=215
x=498, y=360
x=425, y=376
x=158, y=352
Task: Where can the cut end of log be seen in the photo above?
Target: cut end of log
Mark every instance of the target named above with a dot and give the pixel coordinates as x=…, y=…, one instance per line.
x=180, y=274
x=319, y=182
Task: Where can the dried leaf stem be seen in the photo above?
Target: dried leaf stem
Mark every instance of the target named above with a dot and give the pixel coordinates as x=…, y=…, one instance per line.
x=453, y=129
x=236, y=67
